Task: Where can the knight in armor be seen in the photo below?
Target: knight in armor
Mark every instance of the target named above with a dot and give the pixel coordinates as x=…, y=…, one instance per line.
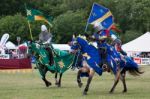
x=106, y=51
x=116, y=42
x=100, y=37
x=45, y=37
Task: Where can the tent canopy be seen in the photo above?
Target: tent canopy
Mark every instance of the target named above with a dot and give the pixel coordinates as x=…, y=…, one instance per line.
x=140, y=44
x=62, y=46
x=10, y=45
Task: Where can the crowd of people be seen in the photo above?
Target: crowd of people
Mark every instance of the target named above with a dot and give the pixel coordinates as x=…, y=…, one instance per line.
x=18, y=53
x=141, y=54
x=21, y=51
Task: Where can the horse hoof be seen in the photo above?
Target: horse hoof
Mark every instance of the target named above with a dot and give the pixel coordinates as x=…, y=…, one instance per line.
x=35, y=68
x=48, y=84
x=110, y=92
x=56, y=83
x=124, y=91
x=84, y=93
x=59, y=85
x=80, y=85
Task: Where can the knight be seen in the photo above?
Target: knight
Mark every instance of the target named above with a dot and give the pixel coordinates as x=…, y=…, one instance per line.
x=101, y=36
x=116, y=42
x=45, y=38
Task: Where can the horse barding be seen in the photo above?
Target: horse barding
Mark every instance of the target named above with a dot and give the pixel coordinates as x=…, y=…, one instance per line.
x=50, y=59
x=92, y=62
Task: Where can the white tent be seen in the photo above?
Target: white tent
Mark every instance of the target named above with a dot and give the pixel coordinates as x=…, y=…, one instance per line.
x=10, y=45
x=140, y=44
x=62, y=46
x=57, y=46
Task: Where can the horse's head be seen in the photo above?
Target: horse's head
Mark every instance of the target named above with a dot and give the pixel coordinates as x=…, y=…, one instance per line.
x=78, y=43
x=33, y=47
x=42, y=53
x=74, y=45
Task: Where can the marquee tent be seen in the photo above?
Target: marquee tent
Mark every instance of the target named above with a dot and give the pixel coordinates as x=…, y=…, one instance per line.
x=140, y=44
x=10, y=45
x=62, y=46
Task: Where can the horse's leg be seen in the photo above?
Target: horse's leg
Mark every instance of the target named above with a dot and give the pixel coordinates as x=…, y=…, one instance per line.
x=56, y=82
x=91, y=74
x=44, y=71
x=59, y=82
x=122, y=77
x=117, y=76
x=79, y=79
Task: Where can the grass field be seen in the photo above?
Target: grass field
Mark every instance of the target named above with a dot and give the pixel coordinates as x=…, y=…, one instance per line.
x=30, y=86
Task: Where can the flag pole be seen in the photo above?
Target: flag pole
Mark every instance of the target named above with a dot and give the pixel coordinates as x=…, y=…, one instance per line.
x=86, y=27
x=88, y=18
x=29, y=24
x=49, y=24
x=30, y=30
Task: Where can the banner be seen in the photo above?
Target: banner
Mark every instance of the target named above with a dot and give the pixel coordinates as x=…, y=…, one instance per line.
x=101, y=14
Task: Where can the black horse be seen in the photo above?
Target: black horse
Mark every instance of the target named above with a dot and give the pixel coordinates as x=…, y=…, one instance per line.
x=50, y=59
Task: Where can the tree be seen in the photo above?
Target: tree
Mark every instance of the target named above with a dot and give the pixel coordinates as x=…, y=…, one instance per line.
x=70, y=16
x=67, y=24
x=17, y=26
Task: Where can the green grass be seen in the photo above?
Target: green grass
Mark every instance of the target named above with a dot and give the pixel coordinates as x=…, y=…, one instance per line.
x=30, y=86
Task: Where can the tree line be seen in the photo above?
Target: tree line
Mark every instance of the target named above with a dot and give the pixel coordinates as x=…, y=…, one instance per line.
x=132, y=17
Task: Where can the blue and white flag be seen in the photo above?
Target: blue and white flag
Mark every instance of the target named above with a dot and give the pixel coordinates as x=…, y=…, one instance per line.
x=100, y=14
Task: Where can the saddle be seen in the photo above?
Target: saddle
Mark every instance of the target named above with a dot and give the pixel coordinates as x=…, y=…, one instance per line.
x=103, y=54
x=49, y=51
x=103, y=64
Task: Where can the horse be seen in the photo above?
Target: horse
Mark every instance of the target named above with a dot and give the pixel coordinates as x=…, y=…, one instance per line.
x=50, y=59
x=92, y=61
x=126, y=64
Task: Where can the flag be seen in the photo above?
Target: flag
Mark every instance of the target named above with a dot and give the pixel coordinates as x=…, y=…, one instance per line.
x=102, y=15
x=36, y=15
x=63, y=60
x=113, y=27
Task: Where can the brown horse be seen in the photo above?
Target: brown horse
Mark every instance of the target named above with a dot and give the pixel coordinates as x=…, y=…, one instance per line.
x=129, y=66
x=91, y=55
x=120, y=75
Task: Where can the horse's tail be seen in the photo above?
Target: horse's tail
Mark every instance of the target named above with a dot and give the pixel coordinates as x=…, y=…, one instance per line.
x=133, y=67
x=135, y=71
